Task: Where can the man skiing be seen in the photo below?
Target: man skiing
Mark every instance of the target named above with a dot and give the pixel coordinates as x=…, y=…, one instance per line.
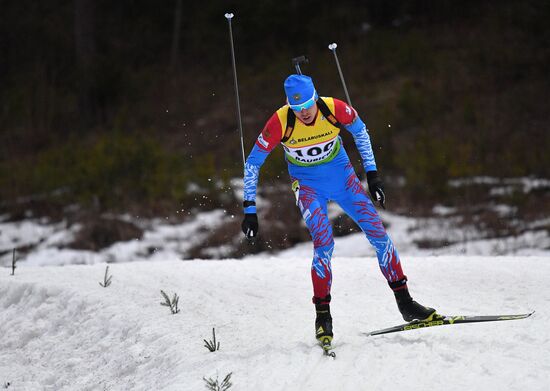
x=308, y=127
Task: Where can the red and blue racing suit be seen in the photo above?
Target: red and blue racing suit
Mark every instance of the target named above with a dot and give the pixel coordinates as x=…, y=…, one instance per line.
x=321, y=171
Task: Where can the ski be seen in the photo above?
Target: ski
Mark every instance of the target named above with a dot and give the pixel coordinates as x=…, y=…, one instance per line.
x=447, y=320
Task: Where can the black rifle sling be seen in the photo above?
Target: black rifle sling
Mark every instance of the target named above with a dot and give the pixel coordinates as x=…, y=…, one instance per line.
x=290, y=122
x=328, y=114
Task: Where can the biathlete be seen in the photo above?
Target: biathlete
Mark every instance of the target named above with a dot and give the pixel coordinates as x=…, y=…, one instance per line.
x=308, y=128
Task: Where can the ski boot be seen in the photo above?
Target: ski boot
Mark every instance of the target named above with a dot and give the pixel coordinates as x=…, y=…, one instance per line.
x=323, y=326
x=410, y=309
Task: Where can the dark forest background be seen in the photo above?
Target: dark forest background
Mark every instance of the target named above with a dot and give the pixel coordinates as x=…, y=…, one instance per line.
x=128, y=106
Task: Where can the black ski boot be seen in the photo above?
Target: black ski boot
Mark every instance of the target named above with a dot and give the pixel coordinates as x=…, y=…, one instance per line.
x=323, y=324
x=410, y=309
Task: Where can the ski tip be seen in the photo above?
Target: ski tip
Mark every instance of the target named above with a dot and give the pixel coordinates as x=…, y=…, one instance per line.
x=329, y=353
x=326, y=345
x=524, y=316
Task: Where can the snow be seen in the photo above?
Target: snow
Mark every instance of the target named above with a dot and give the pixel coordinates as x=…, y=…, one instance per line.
x=527, y=184
x=33, y=232
x=43, y=243
x=164, y=241
x=405, y=232
x=161, y=241
x=60, y=330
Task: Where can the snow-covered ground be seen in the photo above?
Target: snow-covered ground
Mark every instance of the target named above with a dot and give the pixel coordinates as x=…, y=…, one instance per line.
x=406, y=231
x=161, y=241
x=44, y=243
x=165, y=241
x=60, y=330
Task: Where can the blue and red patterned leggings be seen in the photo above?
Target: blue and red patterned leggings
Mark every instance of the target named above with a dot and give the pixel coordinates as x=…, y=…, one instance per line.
x=343, y=187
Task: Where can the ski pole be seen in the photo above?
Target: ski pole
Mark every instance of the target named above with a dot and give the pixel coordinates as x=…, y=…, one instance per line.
x=333, y=47
x=229, y=16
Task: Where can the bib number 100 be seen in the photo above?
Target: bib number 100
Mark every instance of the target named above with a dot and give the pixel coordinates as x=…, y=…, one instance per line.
x=315, y=151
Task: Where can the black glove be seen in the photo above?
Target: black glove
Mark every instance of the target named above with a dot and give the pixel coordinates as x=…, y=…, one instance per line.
x=376, y=188
x=250, y=225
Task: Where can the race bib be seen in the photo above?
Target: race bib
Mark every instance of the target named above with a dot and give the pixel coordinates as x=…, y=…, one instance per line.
x=313, y=154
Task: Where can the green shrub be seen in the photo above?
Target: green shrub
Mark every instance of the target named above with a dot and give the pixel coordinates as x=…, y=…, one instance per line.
x=112, y=170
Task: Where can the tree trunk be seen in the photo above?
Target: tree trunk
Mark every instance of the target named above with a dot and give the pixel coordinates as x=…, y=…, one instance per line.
x=84, y=32
x=174, y=58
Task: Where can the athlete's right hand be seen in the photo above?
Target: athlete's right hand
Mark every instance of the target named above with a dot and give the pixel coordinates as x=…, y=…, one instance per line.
x=250, y=225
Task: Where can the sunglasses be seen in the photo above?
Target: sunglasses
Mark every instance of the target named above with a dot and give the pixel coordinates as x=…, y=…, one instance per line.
x=305, y=105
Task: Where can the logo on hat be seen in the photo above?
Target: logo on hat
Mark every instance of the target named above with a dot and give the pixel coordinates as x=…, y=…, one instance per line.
x=296, y=97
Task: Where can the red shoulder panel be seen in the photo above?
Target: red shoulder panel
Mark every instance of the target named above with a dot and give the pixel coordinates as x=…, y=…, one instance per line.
x=271, y=134
x=344, y=113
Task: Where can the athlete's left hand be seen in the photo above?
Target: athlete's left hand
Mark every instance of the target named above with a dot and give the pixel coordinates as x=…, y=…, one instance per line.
x=376, y=188
x=250, y=225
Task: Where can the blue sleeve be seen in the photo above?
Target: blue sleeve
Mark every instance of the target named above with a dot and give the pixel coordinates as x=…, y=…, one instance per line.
x=251, y=175
x=360, y=134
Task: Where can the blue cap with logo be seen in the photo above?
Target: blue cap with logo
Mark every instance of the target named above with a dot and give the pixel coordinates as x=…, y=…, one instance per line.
x=300, y=92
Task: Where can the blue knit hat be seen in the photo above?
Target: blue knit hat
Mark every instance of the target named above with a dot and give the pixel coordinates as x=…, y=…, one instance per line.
x=300, y=92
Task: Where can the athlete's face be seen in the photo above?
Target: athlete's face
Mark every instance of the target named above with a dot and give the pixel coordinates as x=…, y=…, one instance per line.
x=307, y=115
